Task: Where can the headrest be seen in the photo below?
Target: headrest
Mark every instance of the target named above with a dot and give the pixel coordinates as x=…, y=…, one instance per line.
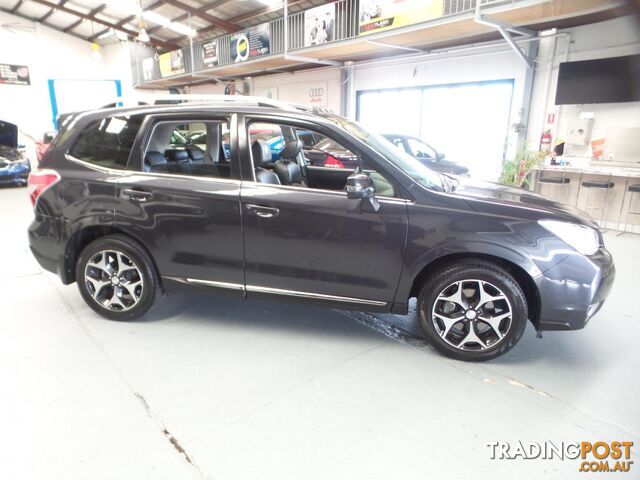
x=288, y=172
x=177, y=156
x=291, y=149
x=155, y=158
x=195, y=154
x=261, y=152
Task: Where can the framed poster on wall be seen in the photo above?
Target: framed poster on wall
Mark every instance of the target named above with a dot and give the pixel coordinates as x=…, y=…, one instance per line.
x=319, y=25
x=171, y=63
x=251, y=43
x=380, y=15
x=14, y=74
x=210, y=52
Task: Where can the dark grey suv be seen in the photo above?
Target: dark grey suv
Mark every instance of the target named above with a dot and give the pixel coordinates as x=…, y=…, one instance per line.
x=125, y=212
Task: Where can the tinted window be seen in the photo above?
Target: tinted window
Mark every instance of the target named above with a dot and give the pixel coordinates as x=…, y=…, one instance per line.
x=194, y=149
x=107, y=142
x=420, y=149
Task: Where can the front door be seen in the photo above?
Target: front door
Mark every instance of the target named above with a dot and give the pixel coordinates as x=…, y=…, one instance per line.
x=317, y=243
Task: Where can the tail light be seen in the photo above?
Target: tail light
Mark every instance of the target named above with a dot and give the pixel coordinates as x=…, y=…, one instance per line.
x=333, y=162
x=39, y=181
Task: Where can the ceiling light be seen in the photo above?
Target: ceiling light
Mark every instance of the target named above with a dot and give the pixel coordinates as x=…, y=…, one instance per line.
x=95, y=52
x=155, y=18
x=143, y=36
x=106, y=34
x=183, y=29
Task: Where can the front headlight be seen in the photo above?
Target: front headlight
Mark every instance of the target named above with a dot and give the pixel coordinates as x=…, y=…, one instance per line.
x=584, y=239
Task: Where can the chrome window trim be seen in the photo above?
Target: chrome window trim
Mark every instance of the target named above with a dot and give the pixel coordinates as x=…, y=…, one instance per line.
x=398, y=200
x=274, y=291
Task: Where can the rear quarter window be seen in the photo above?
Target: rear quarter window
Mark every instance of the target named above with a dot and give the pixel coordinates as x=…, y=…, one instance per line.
x=107, y=142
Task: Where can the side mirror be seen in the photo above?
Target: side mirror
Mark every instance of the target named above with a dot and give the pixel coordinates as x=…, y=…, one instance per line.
x=360, y=186
x=440, y=156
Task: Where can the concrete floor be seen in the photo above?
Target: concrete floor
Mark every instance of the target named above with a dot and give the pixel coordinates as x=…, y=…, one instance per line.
x=209, y=387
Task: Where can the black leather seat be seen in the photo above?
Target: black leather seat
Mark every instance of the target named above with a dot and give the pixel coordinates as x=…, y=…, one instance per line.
x=155, y=162
x=178, y=161
x=287, y=169
x=261, y=154
x=195, y=155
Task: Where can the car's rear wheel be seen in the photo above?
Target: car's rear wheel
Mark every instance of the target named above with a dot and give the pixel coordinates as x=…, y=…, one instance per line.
x=472, y=311
x=116, y=277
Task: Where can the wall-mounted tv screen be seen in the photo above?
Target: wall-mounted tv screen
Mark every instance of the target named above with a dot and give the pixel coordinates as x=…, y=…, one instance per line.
x=605, y=80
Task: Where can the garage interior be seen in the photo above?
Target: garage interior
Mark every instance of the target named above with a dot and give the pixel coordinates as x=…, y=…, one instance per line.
x=206, y=386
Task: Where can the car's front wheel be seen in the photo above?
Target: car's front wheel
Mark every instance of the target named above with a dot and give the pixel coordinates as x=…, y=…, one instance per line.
x=116, y=277
x=472, y=310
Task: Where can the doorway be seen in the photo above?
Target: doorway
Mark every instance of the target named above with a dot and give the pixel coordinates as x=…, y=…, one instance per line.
x=468, y=122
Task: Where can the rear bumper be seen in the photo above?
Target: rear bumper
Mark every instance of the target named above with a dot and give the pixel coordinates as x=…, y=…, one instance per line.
x=47, y=245
x=574, y=290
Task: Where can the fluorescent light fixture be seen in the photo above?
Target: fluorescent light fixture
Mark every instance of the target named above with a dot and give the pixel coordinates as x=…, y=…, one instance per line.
x=153, y=17
x=182, y=29
x=271, y=3
x=106, y=34
x=156, y=18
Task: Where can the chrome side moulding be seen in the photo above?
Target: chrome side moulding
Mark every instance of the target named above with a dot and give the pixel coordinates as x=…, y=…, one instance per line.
x=275, y=291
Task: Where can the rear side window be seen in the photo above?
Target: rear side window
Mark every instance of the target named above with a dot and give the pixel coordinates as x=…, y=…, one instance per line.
x=107, y=142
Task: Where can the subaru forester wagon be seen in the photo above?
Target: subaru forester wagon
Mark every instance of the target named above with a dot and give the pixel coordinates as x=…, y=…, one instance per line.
x=127, y=212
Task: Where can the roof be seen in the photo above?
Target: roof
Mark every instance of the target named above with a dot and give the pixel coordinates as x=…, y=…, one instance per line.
x=104, y=21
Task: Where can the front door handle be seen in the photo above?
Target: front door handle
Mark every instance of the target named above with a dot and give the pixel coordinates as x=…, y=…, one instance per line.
x=262, y=211
x=137, y=195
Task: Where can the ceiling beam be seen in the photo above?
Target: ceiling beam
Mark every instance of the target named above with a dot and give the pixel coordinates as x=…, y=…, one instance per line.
x=184, y=16
x=218, y=22
x=92, y=13
x=16, y=6
x=51, y=11
x=131, y=33
x=244, y=17
x=128, y=19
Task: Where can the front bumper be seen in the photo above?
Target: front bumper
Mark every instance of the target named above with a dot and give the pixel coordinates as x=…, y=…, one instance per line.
x=573, y=291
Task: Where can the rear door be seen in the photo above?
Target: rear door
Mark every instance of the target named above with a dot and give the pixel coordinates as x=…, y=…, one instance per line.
x=186, y=212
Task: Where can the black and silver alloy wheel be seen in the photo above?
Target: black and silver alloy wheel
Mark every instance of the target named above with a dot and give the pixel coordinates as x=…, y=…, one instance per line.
x=117, y=277
x=472, y=314
x=472, y=310
x=113, y=280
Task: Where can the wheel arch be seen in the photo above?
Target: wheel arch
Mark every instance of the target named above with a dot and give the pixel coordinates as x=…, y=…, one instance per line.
x=522, y=277
x=83, y=237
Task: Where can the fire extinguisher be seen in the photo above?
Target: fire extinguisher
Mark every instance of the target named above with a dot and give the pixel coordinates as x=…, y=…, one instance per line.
x=545, y=141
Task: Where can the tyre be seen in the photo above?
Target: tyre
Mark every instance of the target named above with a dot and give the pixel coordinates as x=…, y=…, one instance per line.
x=116, y=277
x=472, y=311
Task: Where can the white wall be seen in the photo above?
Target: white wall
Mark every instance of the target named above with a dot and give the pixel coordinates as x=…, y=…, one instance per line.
x=49, y=54
x=296, y=87
x=611, y=38
x=497, y=63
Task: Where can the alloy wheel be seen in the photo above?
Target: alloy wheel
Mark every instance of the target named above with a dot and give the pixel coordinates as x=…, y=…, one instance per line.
x=113, y=280
x=472, y=315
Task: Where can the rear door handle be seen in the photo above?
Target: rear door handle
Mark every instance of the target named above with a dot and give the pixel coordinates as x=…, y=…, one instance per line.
x=262, y=211
x=137, y=195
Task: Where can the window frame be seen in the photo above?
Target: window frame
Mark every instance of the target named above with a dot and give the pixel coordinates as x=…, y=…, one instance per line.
x=152, y=120
x=81, y=129
x=243, y=132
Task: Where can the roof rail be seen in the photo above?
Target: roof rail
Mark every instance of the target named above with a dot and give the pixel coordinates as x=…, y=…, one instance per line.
x=217, y=99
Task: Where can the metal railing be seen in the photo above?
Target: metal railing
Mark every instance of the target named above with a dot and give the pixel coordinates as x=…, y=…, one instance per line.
x=346, y=26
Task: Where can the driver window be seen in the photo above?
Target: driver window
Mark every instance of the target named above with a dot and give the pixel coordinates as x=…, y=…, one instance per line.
x=322, y=162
